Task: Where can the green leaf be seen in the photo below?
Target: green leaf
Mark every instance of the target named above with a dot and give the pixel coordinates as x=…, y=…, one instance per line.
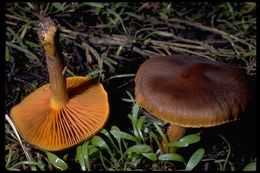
x=229, y=150
x=250, y=167
x=56, y=161
x=150, y=156
x=105, y=132
x=85, y=152
x=99, y=142
x=172, y=157
x=178, y=144
x=41, y=165
x=130, y=95
x=250, y=53
x=32, y=164
x=65, y=157
x=115, y=128
x=190, y=139
x=7, y=54
x=81, y=158
x=92, y=151
x=195, y=159
x=102, y=26
x=139, y=149
x=59, y=6
x=106, y=58
x=245, y=27
x=139, y=126
x=153, y=136
x=119, y=5
x=123, y=135
x=136, y=160
x=186, y=141
x=92, y=74
x=91, y=4
x=120, y=76
x=135, y=111
x=164, y=138
x=138, y=17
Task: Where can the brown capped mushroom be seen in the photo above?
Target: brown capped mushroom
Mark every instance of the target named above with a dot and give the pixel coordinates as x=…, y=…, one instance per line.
x=191, y=92
x=64, y=112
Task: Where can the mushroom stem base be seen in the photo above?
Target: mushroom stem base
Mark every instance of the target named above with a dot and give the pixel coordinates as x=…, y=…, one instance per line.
x=175, y=133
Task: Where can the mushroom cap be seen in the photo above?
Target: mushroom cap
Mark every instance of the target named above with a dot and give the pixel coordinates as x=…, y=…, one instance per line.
x=53, y=129
x=191, y=91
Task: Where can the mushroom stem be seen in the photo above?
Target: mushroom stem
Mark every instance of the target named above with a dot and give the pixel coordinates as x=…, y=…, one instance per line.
x=47, y=33
x=175, y=133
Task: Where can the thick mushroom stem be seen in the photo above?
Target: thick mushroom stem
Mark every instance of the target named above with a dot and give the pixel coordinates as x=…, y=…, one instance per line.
x=46, y=33
x=175, y=133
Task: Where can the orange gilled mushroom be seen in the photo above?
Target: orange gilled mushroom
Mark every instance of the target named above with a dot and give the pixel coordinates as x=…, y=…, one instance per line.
x=64, y=112
x=191, y=92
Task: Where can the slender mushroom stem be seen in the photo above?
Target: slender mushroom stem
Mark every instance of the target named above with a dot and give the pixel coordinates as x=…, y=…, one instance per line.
x=46, y=33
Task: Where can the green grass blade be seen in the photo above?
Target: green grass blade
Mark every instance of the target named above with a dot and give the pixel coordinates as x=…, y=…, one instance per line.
x=229, y=150
x=153, y=136
x=56, y=161
x=178, y=144
x=186, y=141
x=81, y=158
x=30, y=163
x=159, y=130
x=135, y=112
x=101, y=143
x=123, y=135
x=191, y=139
x=195, y=159
x=138, y=17
x=92, y=151
x=139, y=149
x=91, y=4
x=120, y=76
x=150, y=156
x=139, y=127
x=7, y=54
x=85, y=152
x=171, y=157
x=105, y=132
x=250, y=166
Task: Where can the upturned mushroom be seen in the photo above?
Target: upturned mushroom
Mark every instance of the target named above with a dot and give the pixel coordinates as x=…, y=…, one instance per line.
x=65, y=112
x=191, y=92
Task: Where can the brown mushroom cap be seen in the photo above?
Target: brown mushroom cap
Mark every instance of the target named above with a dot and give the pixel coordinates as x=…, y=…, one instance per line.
x=54, y=129
x=190, y=91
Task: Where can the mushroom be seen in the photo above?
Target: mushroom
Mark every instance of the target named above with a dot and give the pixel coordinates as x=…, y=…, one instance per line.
x=191, y=92
x=65, y=112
